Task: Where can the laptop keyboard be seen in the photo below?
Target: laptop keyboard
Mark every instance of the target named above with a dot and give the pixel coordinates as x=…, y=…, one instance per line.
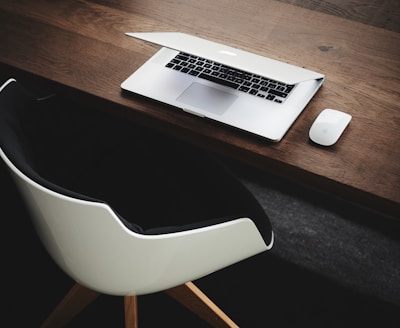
x=231, y=77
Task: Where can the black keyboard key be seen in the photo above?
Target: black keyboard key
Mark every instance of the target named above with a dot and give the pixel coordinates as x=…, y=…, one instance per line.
x=244, y=89
x=278, y=93
x=220, y=81
x=289, y=88
x=194, y=72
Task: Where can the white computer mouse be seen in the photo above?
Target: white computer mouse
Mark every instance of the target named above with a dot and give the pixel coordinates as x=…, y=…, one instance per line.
x=329, y=126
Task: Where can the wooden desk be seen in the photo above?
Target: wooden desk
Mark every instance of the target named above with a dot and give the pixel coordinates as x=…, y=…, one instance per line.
x=79, y=47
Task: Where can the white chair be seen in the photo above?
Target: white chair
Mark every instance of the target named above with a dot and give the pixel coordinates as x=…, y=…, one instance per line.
x=104, y=254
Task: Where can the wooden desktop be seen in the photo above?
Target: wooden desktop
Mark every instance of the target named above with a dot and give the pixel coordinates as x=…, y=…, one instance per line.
x=79, y=49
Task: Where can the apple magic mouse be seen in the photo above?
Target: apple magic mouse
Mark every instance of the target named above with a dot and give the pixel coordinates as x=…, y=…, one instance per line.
x=329, y=126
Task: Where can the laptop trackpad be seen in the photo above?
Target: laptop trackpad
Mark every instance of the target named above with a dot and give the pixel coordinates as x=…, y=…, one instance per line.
x=207, y=98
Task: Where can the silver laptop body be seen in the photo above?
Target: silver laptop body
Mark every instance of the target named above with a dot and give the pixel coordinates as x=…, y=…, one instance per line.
x=265, y=108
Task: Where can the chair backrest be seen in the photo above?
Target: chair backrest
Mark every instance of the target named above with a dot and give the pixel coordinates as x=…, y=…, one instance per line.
x=88, y=240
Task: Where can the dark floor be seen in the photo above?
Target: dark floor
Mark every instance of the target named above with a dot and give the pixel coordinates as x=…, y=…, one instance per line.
x=259, y=292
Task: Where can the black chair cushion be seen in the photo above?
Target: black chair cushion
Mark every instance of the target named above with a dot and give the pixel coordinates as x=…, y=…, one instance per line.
x=155, y=183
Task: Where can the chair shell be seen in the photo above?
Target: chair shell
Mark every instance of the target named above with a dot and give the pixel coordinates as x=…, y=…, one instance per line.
x=90, y=243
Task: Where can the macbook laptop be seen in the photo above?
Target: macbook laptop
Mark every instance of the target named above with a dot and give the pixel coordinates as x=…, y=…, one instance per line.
x=234, y=87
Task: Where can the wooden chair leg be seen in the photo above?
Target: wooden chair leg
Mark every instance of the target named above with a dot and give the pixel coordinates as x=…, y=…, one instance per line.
x=190, y=296
x=131, y=312
x=72, y=304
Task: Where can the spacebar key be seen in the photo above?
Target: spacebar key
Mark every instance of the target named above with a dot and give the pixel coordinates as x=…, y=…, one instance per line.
x=219, y=81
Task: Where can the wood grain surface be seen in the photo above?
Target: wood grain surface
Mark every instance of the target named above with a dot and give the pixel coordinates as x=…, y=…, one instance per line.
x=384, y=13
x=79, y=49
